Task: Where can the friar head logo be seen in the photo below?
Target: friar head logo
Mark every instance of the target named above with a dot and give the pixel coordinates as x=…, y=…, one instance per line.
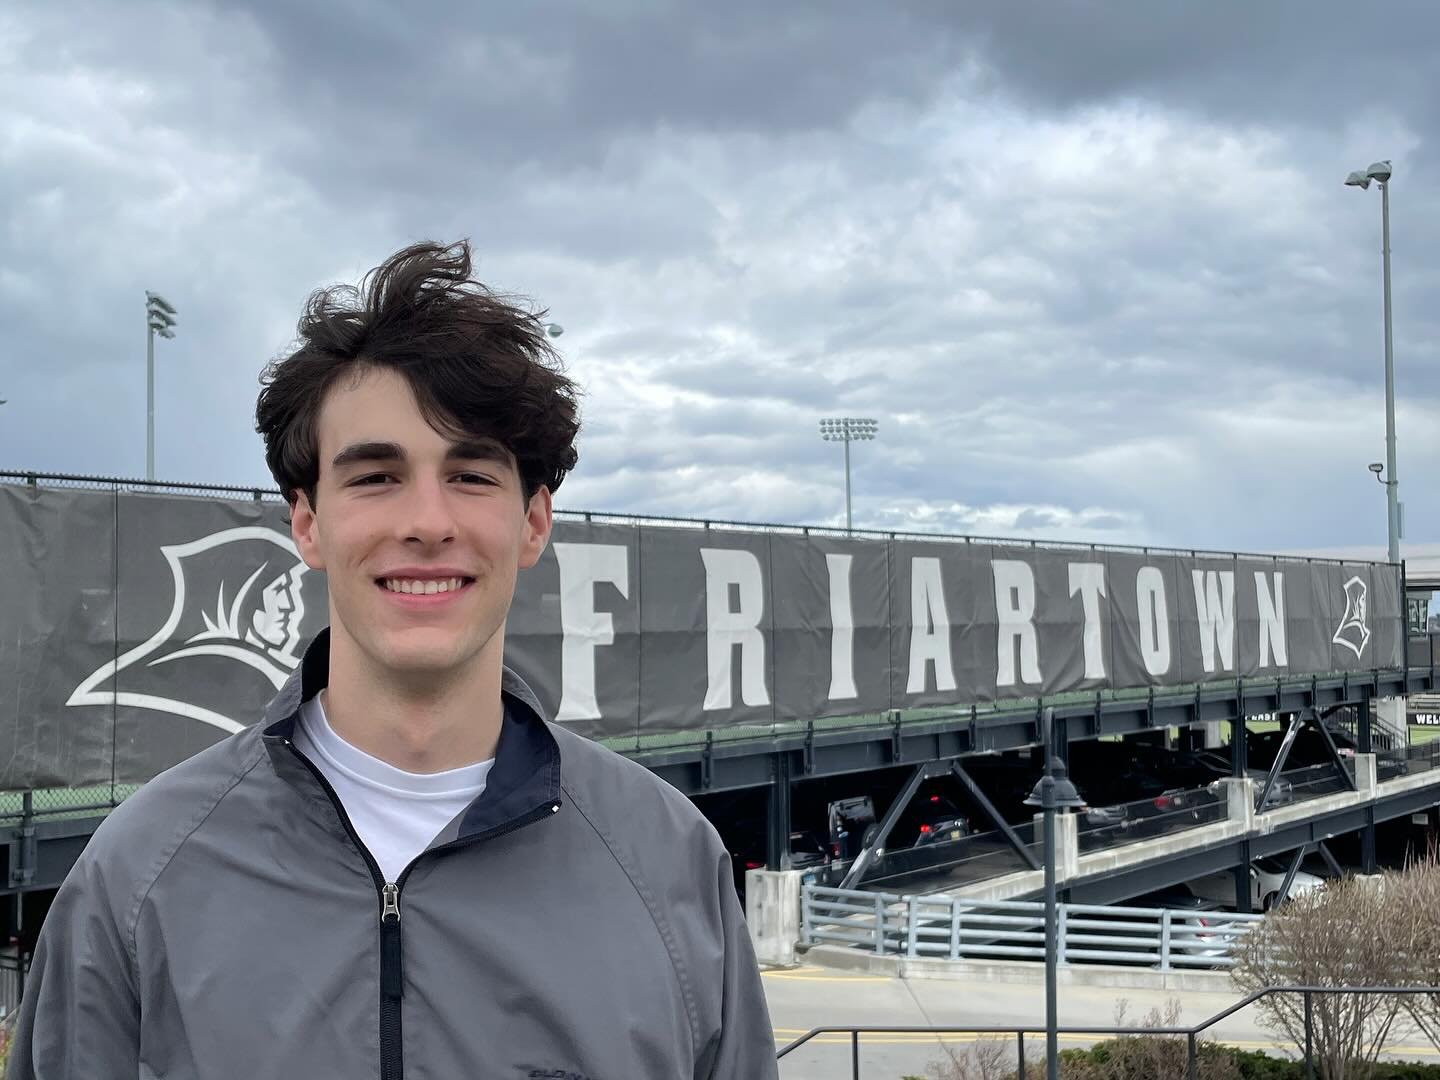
x=238, y=600
x=1354, y=630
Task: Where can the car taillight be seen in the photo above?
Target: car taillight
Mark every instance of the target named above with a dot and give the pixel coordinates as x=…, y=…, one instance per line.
x=835, y=850
x=934, y=798
x=751, y=864
x=924, y=828
x=1162, y=802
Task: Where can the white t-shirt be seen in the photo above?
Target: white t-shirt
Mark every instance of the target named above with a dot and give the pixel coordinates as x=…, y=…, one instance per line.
x=395, y=813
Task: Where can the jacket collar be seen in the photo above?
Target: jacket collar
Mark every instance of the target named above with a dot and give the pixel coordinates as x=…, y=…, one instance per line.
x=524, y=778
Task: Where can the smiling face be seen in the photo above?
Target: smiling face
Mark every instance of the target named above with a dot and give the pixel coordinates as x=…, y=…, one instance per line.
x=420, y=536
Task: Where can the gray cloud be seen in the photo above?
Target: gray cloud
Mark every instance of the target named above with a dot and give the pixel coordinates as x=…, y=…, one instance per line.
x=1091, y=266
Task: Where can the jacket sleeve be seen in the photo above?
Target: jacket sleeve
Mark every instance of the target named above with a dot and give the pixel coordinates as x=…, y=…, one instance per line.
x=744, y=1046
x=80, y=1015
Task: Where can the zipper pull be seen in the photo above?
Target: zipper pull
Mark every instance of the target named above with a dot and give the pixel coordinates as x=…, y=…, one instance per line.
x=392, y=978
x=391, y=896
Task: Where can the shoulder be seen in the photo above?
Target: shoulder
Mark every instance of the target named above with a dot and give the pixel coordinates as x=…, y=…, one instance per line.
x=136, y=841
x=623, y=796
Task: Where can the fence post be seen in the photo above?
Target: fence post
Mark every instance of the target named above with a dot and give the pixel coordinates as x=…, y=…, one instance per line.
x=954, y=929
x=1309, y=1031
x=855, y=1055
x=910, y=927
x=1165, y=940
x=879, y=924
x=1192, y=1062
x=1020, y=1051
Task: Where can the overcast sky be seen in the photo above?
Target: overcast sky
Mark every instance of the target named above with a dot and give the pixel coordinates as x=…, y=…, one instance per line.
x=1091, y=266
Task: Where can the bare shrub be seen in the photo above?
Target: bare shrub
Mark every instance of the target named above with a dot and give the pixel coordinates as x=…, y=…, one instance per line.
x=986, y=1059
x=1128, y=1057
x=1411, y=900
x=1336, y=936
x=1148, y=1057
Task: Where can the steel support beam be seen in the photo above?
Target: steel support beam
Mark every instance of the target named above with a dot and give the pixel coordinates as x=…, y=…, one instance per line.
x=887, y=823
x=1367, y=844
x=777, y=815
x=1335, y=758
x=1243, y=901
x=988, y=808
x=1297, y=721
x=1330, y=859
x=1290, y=873
x=1239, y=746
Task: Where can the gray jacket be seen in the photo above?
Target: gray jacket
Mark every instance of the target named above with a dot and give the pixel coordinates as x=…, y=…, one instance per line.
x=577, y=922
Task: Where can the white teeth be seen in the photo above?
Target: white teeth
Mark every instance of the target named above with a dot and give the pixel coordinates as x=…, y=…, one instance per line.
x=422, y=588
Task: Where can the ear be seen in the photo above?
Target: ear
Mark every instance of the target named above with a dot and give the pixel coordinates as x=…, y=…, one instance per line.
x=305, y=530
x=538, y=522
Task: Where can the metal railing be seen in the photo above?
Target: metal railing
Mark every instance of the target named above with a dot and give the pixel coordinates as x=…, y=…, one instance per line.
x=1101, y=827
x=953, y=929
x=1191, y=1035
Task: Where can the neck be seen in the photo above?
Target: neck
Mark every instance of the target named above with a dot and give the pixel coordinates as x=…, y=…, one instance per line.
x=422, y=725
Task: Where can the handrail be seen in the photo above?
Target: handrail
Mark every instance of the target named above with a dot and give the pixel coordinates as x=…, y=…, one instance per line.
x=1190, y=1034
x=255, y=491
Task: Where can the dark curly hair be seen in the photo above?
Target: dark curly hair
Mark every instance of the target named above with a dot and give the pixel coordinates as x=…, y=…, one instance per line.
x=479, y=365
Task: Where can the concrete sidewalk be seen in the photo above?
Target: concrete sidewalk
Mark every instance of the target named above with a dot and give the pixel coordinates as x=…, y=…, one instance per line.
x=807, y=997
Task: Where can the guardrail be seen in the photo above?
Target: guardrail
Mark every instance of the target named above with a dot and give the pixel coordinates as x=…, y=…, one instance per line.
x=952, y=929
x=1191, y=1035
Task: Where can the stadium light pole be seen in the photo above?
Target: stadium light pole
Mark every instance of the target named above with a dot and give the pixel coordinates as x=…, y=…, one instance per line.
x=1054, y=792
x=848, y=429
x=159, y=319
x=1380, y=172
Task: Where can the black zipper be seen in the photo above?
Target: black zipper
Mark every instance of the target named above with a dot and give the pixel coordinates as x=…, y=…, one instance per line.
x=392, y=975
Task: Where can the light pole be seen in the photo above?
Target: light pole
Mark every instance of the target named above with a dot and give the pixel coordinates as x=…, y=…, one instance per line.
x=1054, y=792
x=159, y=319
x=1380, y=172
x=848, y=429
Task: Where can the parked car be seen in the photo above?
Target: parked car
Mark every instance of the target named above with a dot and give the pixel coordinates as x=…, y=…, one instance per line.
x=929, y=820
x=1266, y=878
x=807, y=852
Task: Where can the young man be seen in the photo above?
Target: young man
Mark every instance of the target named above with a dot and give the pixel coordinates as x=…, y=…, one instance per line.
x=404, y=867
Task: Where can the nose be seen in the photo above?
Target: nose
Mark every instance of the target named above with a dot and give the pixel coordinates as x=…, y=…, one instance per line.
x=427, y=520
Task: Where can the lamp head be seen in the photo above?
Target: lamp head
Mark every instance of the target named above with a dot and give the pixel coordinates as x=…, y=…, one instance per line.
x=553, y=330
x=1376, y=467
x=1357, y=179
x=1380, y=171
x=1063, y=792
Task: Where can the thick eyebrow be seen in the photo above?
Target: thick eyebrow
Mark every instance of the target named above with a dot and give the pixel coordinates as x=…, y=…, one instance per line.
x=368, y=452
x=478, y=450
x=467, y=450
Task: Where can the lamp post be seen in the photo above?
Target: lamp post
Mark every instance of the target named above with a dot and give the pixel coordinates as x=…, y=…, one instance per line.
x=159, y=319
x=1054, y=792
x=1380, y=172
x=847, y=429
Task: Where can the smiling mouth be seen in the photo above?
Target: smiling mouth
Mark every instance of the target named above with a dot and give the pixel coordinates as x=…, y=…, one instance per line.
x=424, y=586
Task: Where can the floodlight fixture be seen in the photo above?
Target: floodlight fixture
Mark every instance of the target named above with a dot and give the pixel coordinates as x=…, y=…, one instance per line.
x=552, y=329
x=848, y=429
x=159, y=319
x=1357, y=179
